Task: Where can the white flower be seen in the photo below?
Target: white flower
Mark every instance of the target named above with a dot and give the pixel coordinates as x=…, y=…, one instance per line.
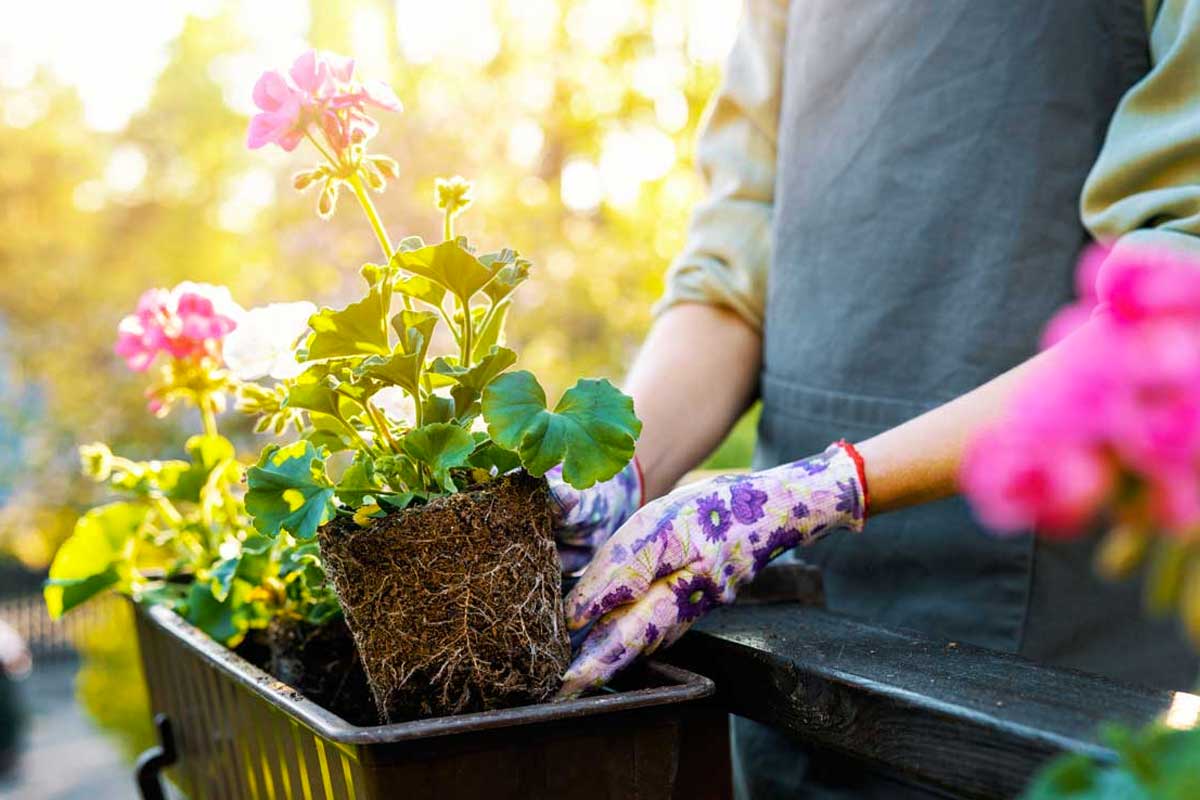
x=397, y=404
x=264, y=342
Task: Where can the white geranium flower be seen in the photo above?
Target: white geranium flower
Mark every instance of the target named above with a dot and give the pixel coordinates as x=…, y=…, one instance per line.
x=397, y=404
x=264, y=342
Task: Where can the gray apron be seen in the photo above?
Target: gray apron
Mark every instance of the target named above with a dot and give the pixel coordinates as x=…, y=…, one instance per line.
x=931, y=155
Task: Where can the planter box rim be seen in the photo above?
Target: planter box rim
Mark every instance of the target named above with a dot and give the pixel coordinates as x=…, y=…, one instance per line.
x=684, y=686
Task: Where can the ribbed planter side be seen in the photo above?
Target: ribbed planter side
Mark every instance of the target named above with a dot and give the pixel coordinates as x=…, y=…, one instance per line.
x=239, y=733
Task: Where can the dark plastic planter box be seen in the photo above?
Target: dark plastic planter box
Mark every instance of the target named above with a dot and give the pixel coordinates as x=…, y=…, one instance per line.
x=232, y=731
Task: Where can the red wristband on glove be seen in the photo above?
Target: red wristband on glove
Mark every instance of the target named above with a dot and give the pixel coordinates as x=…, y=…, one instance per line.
x=856, y=456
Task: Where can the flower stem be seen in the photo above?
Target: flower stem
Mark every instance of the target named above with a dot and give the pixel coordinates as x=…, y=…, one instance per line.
x=380, y=423
x=167, y=511
x=208, y=414
x=468, y=332
x=368, y=208
x=328, y=157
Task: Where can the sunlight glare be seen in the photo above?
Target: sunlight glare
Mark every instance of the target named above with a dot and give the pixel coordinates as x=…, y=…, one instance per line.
x=1184, y=712
x=126, y=169
x=244, y=197
x=581, y=188
x=445, y=29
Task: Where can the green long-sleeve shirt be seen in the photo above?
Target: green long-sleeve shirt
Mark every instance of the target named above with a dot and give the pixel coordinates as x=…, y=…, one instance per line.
x=1143, y=189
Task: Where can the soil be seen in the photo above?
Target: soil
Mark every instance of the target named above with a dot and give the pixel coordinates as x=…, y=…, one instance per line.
x=255, y=648
x=456, y=605
x=321, y=663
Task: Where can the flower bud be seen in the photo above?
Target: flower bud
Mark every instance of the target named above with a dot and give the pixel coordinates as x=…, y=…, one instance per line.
x=374, y=180
x=388, y=167
x=96, y=461
x=302, y=180
x=1121, y=551
x=327, y=202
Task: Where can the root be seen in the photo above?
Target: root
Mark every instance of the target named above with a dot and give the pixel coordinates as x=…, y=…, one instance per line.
x=455, y=606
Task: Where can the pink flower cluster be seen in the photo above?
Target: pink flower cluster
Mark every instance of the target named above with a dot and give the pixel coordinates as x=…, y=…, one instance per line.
x=319, y=90
x=1110, y=423
x=187, y=323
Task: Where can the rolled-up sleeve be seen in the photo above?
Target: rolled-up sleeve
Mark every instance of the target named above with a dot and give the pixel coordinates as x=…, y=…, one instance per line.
x=728, y=248
x=1144, y=189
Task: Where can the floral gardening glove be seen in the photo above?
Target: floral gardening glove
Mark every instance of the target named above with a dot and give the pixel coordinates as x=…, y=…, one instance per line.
x=585, y=518
x=689, y=551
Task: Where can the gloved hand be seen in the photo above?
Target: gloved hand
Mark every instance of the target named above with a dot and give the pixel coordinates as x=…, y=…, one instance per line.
x=685, y=553
x=585, y=518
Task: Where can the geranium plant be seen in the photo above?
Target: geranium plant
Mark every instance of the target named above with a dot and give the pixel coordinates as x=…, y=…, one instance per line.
x=418, y=424
x=421, y=453
x=180, y=535
x=1107, y=437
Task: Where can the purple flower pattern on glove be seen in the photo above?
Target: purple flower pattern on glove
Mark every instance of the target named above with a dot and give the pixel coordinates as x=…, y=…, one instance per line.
x=684, y=554
x=586, y=518
x=746, y=502
x=713, y=516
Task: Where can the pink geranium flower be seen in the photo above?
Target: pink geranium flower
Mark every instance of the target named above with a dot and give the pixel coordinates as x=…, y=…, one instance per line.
x=1120, y=393
x=1019, y=482
x=320, y=89
x=188, y=322
x=1075, y=316
x=1137, y=285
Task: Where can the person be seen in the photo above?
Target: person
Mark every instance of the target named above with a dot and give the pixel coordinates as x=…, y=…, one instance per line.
x=899, y=191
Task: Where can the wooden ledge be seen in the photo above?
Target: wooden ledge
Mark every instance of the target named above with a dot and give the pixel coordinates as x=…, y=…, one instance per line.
x=972, y=721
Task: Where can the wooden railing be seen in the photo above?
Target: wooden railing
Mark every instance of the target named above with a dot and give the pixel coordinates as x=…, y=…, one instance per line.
x=963, y=720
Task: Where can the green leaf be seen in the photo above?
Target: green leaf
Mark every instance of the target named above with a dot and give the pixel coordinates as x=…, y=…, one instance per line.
x=294, y=560
x=316, y=397
x=481, y=374
x=93, y=558
x=437, y=409
x=510, y=270
x=447, y=264
x=218, y=617
x=397, y=502
x=356, y=330
x=149, y=478
x=491, y=456
x=221, y=577
x=289, y=491
x=171, y=595
x=422, y=289
x=440, y=447
x=591, y=431
x=490, y=335
x=358, y=481
x=399, y=369
x=373, y=274
x=410, y=243
x=415, y=329
x=328, y=433
x=255, y=559
x=206, y=453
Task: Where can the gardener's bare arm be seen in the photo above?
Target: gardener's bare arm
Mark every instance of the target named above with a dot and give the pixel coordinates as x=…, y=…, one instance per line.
x=694, y=377
x=918, y=461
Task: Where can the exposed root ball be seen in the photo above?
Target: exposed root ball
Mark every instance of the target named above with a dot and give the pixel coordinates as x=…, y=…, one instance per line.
x=455, y=606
